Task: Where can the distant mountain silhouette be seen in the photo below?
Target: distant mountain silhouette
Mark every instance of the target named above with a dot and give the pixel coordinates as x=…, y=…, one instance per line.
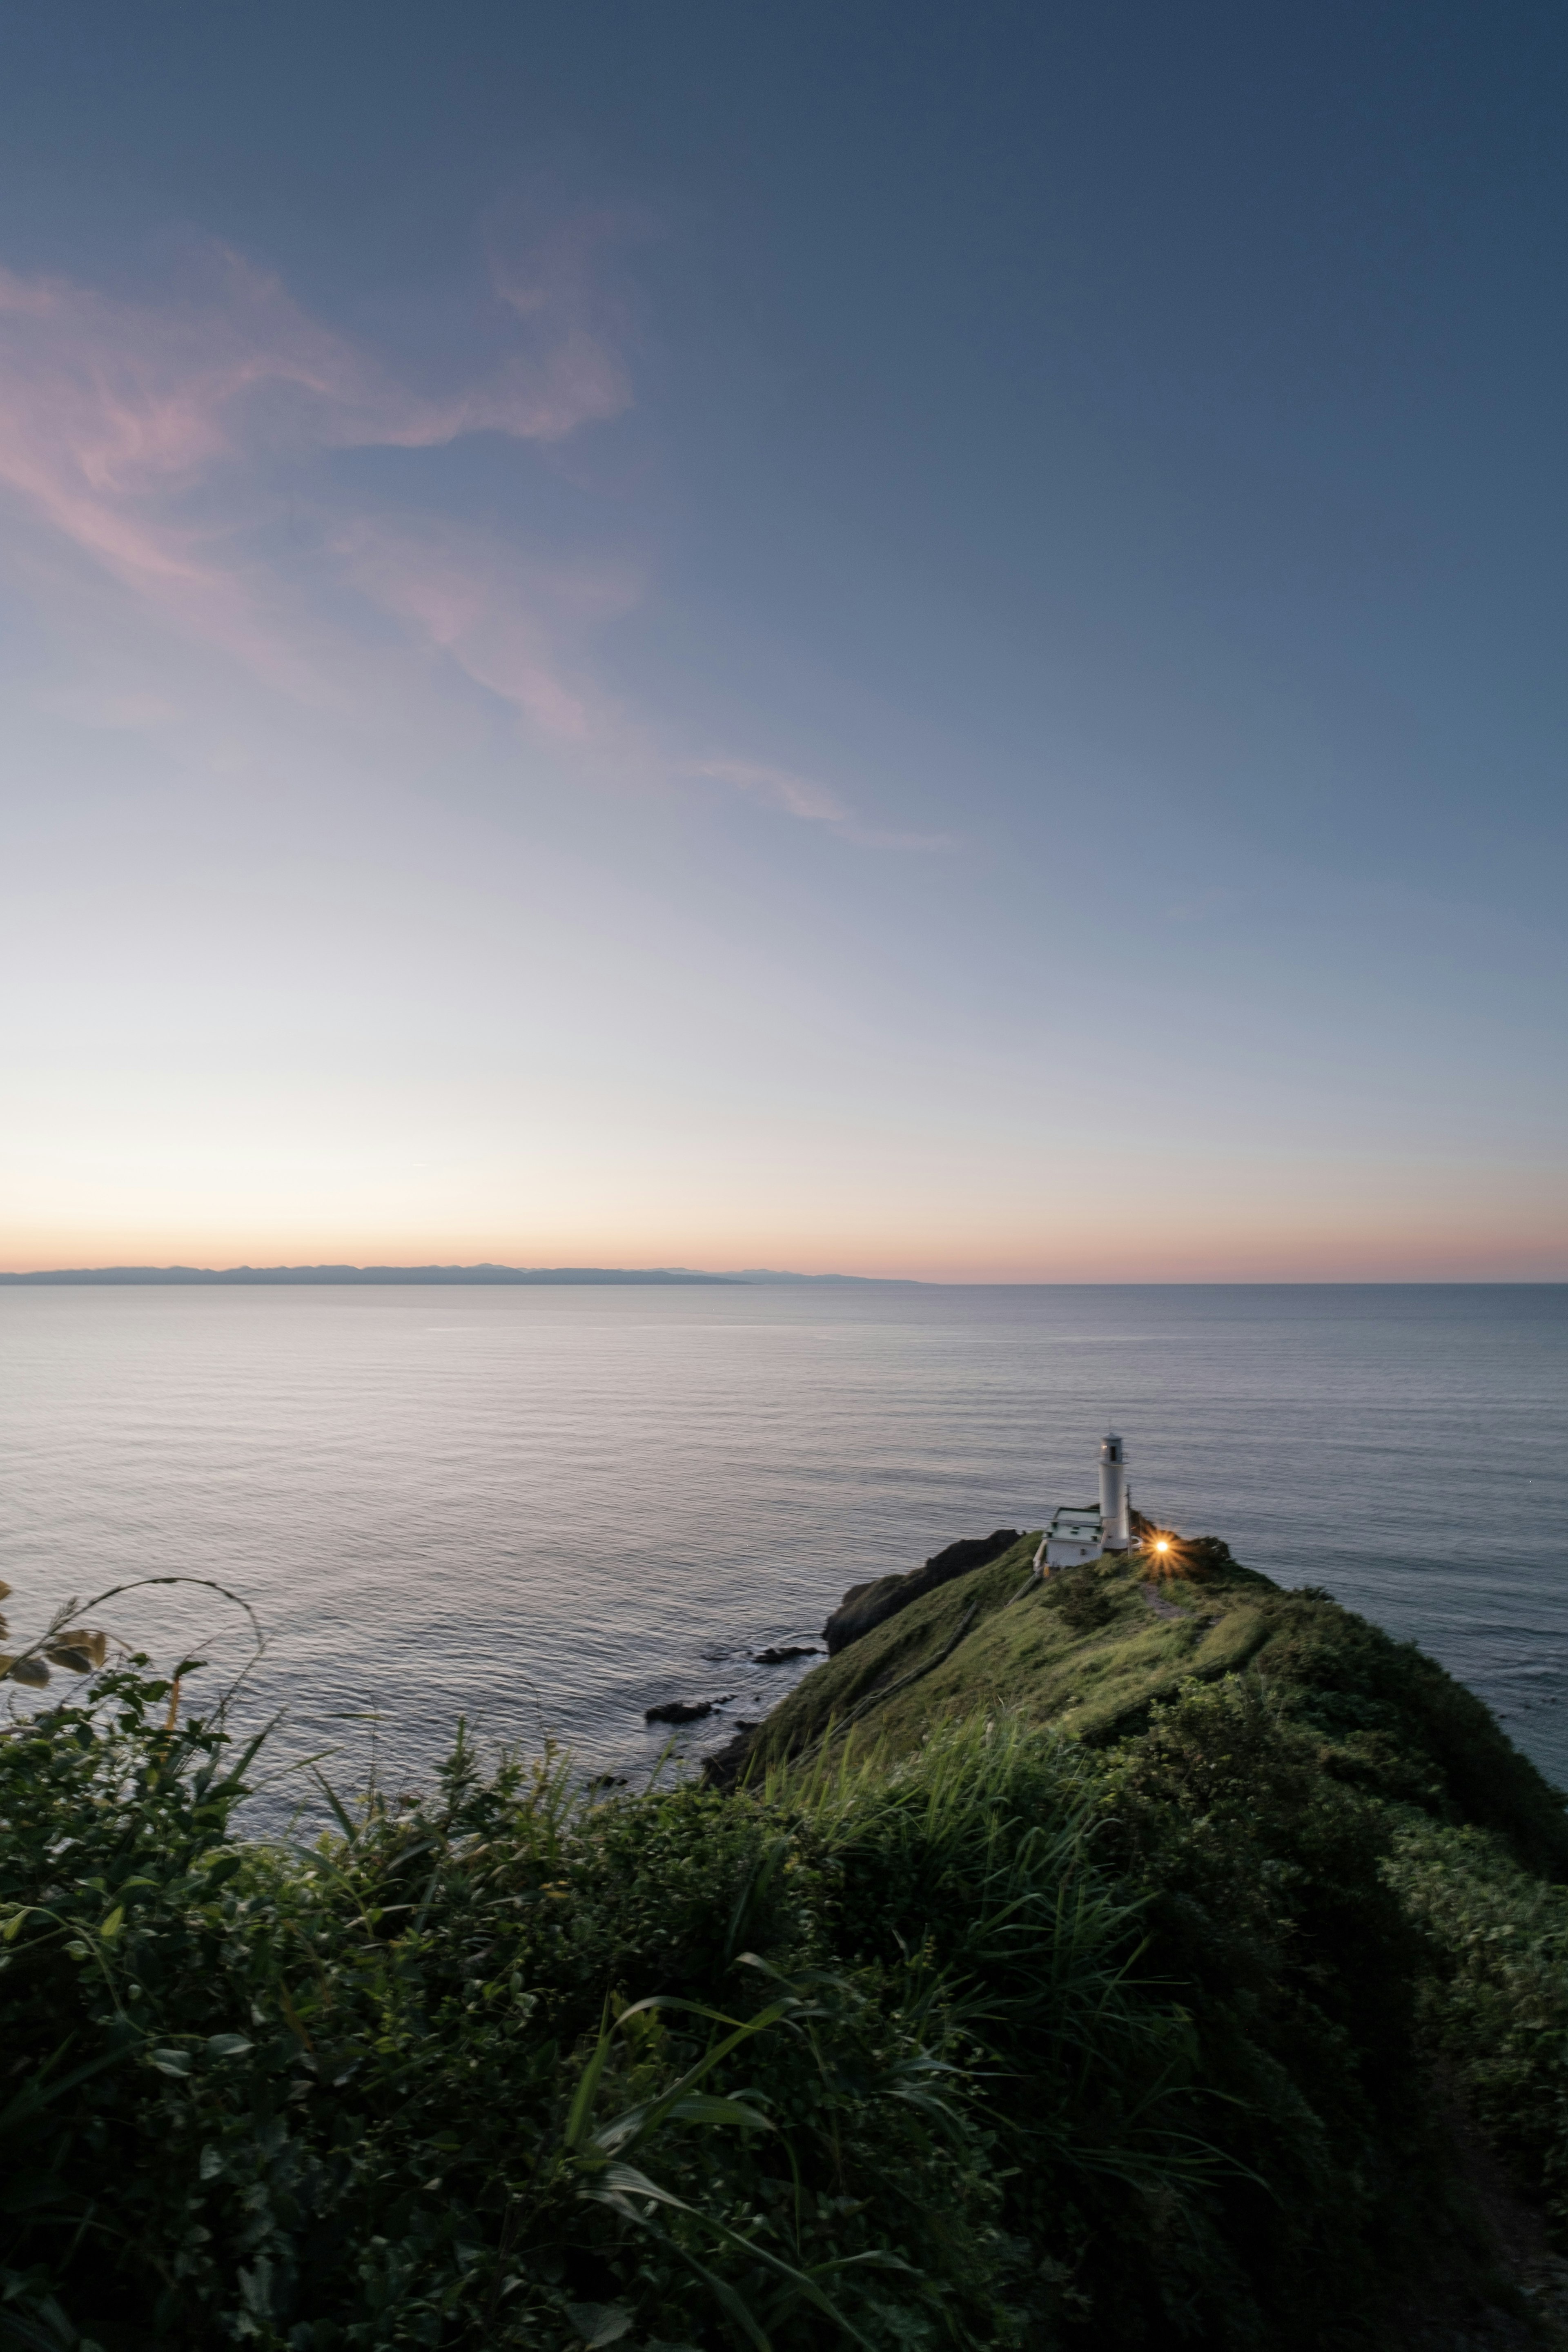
x=242, y=1275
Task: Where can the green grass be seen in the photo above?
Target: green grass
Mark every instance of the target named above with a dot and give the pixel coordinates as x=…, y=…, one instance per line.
x=1016, y=1651
x=1065, y=1971
x=1384, y=1717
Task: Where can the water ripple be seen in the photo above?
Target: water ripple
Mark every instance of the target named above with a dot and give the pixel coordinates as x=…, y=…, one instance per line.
x=558, y=1507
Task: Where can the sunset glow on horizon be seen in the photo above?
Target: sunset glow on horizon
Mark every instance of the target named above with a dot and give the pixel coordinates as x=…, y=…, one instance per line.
x=1435, y=1237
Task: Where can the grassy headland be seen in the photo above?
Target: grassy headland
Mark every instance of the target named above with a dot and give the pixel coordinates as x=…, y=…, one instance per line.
x=1065, y=1965
x=1092, y=1652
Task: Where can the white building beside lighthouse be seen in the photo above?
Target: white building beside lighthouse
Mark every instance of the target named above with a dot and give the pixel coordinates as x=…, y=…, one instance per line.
x=1072, y=1538
x=1078, y=1534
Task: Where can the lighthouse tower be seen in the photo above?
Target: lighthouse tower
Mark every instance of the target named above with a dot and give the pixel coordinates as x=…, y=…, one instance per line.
x=1114, y=1511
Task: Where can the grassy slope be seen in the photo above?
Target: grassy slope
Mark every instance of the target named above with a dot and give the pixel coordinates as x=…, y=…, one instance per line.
x=1168, y=1995
x=1018, y=1650
x=1387, y=1718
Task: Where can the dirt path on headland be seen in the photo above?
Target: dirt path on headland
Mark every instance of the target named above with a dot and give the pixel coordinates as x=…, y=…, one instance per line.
x=1158, y=1602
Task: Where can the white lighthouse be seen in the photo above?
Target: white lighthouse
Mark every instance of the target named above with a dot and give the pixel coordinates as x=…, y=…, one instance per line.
x=1076, y=1536
x=1115, y=1518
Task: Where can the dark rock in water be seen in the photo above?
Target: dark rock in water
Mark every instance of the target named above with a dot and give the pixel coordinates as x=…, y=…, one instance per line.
x=782, y=1652
x=866, y=1605
x=679, y=1710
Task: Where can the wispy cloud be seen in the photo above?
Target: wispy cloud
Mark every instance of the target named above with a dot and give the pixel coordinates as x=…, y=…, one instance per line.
x=796, y=795
x=813, y=802
x=511, y=626
x=143, y=433
x=164, y=441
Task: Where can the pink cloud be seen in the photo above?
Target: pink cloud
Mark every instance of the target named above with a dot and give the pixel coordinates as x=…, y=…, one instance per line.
x=509, y=624
x=141, y=432
x=814, y=803
x=796, y=795
x=158, y=439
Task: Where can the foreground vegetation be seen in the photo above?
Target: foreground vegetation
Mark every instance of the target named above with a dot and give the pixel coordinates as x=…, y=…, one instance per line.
x=1065, y=1972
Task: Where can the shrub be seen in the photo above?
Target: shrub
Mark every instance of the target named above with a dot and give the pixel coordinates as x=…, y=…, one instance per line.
x=1496, y=2004
x=1081, y=1598
x=1390, y=1721
x=1005, y=2045
x=398, y=2090
x=1270, y=1907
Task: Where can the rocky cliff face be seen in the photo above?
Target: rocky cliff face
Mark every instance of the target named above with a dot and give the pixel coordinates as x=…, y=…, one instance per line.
x=867, y=1605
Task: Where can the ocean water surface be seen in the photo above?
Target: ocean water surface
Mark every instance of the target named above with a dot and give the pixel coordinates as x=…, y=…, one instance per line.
x=549, y=1509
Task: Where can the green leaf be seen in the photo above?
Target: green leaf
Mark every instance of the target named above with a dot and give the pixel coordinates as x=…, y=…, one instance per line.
x=228, y=2045
x=640, y=2122
x=349, y=1827
x=700, y=2108
x=599, y=2323
x=582, y=2107
x=621, y=2182
x=41, y=2091
x=42, y=2327
x=738, y=2310
x=626, y=2180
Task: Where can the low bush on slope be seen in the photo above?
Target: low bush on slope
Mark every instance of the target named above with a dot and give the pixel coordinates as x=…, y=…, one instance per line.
x=982, y=2036
x=1495, y=2000
x=494, y=2069
x=1002, y=2044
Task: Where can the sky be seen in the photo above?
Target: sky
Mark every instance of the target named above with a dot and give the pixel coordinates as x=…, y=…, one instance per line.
x=902, y=639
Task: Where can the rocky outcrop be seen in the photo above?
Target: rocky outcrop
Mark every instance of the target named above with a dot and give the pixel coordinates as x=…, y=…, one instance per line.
x=866, y=1605
x=726, y=1766
x=863, y=1607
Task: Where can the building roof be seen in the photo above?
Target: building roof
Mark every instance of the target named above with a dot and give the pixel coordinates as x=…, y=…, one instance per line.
x=1072, y=1524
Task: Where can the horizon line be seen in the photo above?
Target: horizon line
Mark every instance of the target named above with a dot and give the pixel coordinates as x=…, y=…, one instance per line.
x=486, y=1273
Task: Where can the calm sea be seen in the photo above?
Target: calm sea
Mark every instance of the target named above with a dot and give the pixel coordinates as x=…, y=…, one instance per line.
x=555, y=1507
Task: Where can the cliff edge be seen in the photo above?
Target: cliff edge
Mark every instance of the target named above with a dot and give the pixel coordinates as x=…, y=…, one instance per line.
x=1092, y=1652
